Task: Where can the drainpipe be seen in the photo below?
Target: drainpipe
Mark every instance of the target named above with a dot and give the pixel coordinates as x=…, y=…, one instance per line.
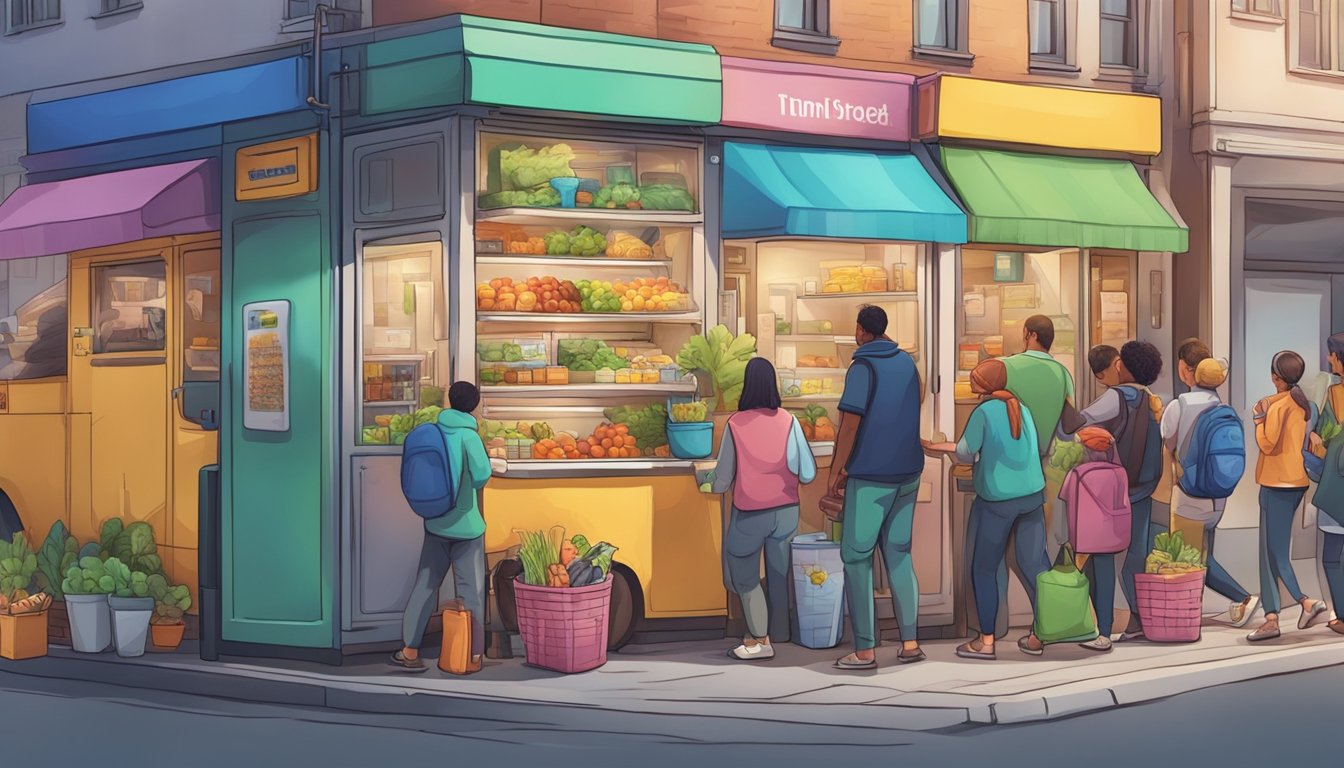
x=319, y=19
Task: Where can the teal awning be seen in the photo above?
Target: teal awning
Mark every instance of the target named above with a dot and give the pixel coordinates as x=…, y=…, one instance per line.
x=1021, y=198
x=771, y=191
x=513, y=64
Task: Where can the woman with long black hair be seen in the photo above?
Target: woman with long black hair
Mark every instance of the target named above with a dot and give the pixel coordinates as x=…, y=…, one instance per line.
x=1282, y=421
x=763, y=457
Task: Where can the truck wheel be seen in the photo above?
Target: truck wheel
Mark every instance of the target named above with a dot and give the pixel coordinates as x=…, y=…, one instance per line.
x=627, y=606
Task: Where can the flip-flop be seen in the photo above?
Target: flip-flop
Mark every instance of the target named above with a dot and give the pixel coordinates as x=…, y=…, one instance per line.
x=845, y=663
x=917, y=656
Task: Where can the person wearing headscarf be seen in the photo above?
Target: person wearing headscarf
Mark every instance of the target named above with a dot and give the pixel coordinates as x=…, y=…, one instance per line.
x=1282, y=421
x=1202, y=375
x=1000, y=440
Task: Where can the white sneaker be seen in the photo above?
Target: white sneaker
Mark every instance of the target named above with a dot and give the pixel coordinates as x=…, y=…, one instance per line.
x=1240, y=613
x=758, y=652
x=1102, y=644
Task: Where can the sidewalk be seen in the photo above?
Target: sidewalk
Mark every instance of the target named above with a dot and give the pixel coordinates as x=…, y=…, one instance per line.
x=699, y=680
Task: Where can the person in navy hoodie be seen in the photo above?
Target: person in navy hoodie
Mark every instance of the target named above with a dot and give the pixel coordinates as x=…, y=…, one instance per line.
x=876, y=468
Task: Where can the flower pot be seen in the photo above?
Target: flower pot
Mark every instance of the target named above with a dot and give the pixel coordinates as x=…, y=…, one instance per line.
x=90, y=623
x=1170, y=605
x=166, y=637
x=24, y=636
x=130, y=624
x=564, y=628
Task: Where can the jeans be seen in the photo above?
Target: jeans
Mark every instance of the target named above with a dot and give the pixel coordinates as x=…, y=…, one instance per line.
x=1142, y=531
x=1218, y=579
x=1026, y=517
x=879, y=514
x=749, y=534
x=1332, y=559
x=1278, y=507
x=467, y=559
x=1100, y=572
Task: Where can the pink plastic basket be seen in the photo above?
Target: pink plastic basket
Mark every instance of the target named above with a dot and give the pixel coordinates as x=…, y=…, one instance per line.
x=564, y=628
x=1170, y=605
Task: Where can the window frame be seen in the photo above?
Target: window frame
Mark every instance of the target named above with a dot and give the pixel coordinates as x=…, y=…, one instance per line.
x=97, y=283
x=1248, y=8
x=1135, y=19
x=116, y=8
x=818, y=40
x=1330, y=39
x=11, y=28
x=957, y=51
x=1064, y=62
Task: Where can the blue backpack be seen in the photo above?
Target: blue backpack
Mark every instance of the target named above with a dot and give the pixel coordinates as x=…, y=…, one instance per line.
x=427, y=479
x=1215, y=454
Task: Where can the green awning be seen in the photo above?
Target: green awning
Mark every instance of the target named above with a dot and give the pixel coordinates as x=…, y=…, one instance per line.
x=512, y=64
x=1020, y=198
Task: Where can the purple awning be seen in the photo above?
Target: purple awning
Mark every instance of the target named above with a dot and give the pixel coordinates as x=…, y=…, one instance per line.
x=110, y=208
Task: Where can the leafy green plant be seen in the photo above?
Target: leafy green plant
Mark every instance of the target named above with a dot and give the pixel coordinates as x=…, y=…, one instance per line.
x=170, y=603
x=18, y=563
x=126, y=582
x=131, y=544
x=1172, y=555
x=59, y=551
x=539, y=551
x=723, y=358
x=89, y=576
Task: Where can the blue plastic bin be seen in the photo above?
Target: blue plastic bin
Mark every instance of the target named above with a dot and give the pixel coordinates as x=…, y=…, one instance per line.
x=568, y=189
x=819, y=607
x=690, y=440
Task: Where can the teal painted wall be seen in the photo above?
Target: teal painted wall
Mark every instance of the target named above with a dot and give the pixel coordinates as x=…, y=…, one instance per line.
x=279, y=525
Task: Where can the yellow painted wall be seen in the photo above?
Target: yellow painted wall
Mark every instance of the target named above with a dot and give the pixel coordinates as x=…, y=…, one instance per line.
x=33, y=454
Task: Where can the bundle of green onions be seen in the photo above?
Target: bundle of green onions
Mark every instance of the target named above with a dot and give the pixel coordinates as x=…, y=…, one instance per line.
x=539, y=551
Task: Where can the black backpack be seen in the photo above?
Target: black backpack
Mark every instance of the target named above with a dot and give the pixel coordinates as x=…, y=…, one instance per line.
x=1139, y=442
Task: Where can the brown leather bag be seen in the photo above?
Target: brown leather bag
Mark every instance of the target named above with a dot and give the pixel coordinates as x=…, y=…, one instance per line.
x=455, y=650
x=833, y=507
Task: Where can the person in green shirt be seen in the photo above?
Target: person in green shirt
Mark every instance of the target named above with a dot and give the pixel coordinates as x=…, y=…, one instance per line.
x=455, y=539
x=1041, y=382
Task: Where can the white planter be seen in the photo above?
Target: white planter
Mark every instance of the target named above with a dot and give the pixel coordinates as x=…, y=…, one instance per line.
x=90, y=623
x=130, y=623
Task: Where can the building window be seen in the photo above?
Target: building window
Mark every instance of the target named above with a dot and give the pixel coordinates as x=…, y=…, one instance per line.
x=940, y=26
x=1048, y=40
x=130, y=307
x=804, y=25
x=342, y=15
x=1258, y=7
x=1120, y=33
x=1320, y=34
x=26, y=14
x=33, y=319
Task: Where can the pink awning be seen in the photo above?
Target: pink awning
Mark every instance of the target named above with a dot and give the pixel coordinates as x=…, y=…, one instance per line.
x=110, y=208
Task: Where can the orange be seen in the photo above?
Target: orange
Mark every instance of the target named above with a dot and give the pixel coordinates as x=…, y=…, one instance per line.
x=599, y=452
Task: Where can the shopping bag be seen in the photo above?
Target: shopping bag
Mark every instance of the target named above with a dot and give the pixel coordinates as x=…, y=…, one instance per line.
x=1064, y=603
x=455, y=650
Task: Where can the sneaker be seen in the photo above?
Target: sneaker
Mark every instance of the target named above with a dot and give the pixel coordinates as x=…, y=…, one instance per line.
x=1313, y=615
x=757, y=652
x=1336, y=626
x=1267, y=631
x=413, y=666
x=1031, y=645
x=1102, y=644
x=852, y=662
x=1240, y=613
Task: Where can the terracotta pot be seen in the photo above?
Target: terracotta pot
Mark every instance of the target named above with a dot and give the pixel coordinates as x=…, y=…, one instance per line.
x=166, y=637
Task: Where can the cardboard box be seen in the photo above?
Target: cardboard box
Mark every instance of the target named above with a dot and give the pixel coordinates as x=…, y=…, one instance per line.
x=23, y=637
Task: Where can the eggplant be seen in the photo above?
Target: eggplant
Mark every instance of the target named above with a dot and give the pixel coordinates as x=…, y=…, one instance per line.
x=582, y=573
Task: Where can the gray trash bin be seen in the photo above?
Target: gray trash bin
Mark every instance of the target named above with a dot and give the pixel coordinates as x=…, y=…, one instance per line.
x=819, y=591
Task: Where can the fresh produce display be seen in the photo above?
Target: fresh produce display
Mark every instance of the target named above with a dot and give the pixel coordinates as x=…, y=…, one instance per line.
x=665, y=197
x=651, y=362
x=648, y=425
x=527, y=168
x=626, y=246
x=864, y=278
x=621, y=195
x=588, y=355
x=535, y=246
x=541, y=196
x=427, y=415
x=579, y=241
x=402, y=423
x=816, y=423
x=536, y=294
x=508, y=352
x=723, y=358
x=651, y=294
x=551, y=560
x=818, y=361
x=782, y=327
x=1172, y=555
x=520, y=430
x=683, y=413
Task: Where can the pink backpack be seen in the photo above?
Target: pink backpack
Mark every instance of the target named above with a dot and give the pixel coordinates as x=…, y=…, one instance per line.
x=1097, y=495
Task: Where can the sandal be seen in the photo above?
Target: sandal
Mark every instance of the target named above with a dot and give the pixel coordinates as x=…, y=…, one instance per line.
x=414, y=666
x=975, y=649
x=853, y=662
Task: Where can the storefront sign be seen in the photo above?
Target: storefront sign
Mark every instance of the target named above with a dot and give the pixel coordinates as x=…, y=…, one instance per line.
x=284, y=168
x=828, y=101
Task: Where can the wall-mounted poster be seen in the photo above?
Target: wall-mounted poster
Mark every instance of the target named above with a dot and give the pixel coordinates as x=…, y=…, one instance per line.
x=1019, y=296
x=266, y=366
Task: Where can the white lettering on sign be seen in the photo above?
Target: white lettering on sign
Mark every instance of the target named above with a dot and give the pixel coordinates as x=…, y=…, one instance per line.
x=832, y=109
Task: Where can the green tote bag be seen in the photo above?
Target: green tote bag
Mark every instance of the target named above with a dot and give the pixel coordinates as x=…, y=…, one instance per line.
x=1064, y=603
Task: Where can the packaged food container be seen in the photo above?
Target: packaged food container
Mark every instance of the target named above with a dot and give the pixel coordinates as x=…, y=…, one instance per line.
x=789, y=384
x=669, y=375
x=624, y=375
x=524, y=375
x=816, y=327
x=649, y=376
x=962, y=389
x=854, y=278
x=489, y=246
x=994, y=346
x=815, y=383
x=582, y=377
x=557, y=374
x=511, y=351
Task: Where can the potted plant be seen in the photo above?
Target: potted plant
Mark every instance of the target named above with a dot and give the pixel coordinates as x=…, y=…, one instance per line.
x=1170, y=591
x=170, y=603
x=722, y=358
x=58, y=553
x=564, y=600
x=131, y=607
x=85, y=588
x=23, y=618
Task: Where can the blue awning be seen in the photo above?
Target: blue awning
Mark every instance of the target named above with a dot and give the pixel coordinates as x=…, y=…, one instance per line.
x=771, y=191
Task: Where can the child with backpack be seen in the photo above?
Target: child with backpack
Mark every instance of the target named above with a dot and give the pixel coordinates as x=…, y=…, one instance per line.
x=1283, y=423
x=1000, y=438
x=444, y=467
x=1329, y=497
x=1207, y=443
x=1095, y=496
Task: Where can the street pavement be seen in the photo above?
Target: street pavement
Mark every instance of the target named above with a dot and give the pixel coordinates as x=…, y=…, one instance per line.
x=61, y=722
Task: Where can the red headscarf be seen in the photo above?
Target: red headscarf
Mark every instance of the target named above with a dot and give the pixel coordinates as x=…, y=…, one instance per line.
x=990, y=380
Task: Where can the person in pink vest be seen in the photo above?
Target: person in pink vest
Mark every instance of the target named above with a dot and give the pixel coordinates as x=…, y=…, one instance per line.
x=763, y=457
